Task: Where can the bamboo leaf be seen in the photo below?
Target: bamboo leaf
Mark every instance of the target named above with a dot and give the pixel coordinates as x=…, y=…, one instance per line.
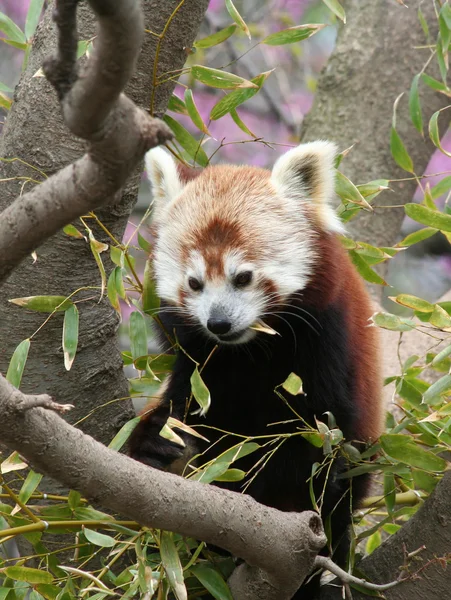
x=45, y=304
x=99, y=539
x=216, y=38
x=434, y=133
x=28, y=574
x=220, y=79
x=172, y=565
x=413, y=302
x=33, y=16
x=11, y=30
x=17, y=363
x=187, y=141
x=414, y=105
x=123, y=434
x=177, y=105
x=364, y=269
x=200, y=393
x=70, y=336
x=399, y=152
x=234, y=99
x=212, y=581
x=336, y=8
x=138, y=335
x=293, y=34
x=348, y=191
x=428, y=216
x=241, y=124
x=194, y=112
x=416, y=237
x=237, y=17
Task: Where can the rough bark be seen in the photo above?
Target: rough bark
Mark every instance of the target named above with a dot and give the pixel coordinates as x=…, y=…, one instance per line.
x=279, y=548
x=431, y=527
x=373, y=62
x=35, y=133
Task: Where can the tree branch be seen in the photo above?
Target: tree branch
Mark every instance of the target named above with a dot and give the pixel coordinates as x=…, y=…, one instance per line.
x=279, y=548
x=118, y=132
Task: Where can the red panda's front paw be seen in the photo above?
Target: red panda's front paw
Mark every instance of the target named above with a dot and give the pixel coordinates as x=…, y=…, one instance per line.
x=147, y=445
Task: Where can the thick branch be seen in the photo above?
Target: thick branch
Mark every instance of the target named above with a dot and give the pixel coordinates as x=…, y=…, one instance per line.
x=279, y=548
x=119, y=133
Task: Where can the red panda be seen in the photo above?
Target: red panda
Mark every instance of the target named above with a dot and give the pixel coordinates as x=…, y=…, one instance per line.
x=236, y=246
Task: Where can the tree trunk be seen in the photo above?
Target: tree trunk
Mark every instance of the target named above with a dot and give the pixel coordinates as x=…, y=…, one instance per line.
x=374, y=61
x=431, y=527
x=36, y=135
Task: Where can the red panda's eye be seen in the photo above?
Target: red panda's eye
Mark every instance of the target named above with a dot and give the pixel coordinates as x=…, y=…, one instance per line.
x=195, y=284
x=243, y=278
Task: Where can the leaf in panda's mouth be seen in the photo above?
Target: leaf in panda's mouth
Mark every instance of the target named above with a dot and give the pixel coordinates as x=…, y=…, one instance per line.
x=264, y=328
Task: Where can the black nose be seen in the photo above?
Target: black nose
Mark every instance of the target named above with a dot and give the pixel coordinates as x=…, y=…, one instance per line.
x=219, y=325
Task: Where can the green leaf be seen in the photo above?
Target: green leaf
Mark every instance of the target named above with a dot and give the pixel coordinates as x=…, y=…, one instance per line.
x=416, y=237
x=5, y=88
x=236, y=118
x=389, y=491
x=392, y=322
x=399, y=152
x=441, y=188
x=237, y=17
x=144, y=244
x=194, y=112
x=72, y=231
x=70, y=335
x=348, y=191
x=45, y=304
x=440, y=318
x=28, y=488
x=220, y=79
x=138, y=335
x=17, y=363
x=123, y=434
x=99, y=539
x=434, y=133
x=336, y=8
x=28, y=574
x=293, y=384
x=74, y=499
x=413, y=302
x=234, y=99
x=150, y=300
x=427, y=216
x=438, y=86
x=97, y=248
x=364, y=269
x=423, y=23
x=373, y=188
x=177, y=105
x=112, y=291
x=5, y=102
x=442, y=355
x=293, y=34
x=414, y=105
x=33, y=16
x=11, y=30
x=231, y=475
x=187, y=141
x=212, y=581
x=409, y=392
x=402, y=448
x=219, y=466
x=200, y=393
x=439, y=388
x=216, y=38
x=373, y=542
x=172, y=565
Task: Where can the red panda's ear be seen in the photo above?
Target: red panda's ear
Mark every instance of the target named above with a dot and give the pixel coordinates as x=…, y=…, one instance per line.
x=163, y=176
x=308, y=173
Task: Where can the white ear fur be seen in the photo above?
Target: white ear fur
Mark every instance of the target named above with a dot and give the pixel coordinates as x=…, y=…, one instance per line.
x=163, y=176
x=308, y=173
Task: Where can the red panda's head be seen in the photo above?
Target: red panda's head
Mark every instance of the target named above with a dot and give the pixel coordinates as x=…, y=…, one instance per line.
x=236, y=241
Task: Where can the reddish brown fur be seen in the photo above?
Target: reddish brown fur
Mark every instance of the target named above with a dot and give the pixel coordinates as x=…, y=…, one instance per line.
x=336, y=281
